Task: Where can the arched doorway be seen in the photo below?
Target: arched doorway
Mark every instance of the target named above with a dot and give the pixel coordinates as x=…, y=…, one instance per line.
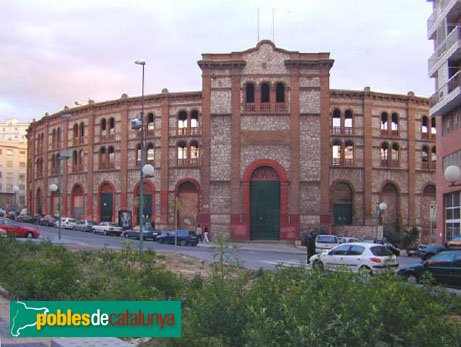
x=39, y=201
x=428, y=214
x=188, y=205
x=390, y=195
x=265, y=204
x=78, y=202
x=106, y=202
x=342, y=204
x=147, y=203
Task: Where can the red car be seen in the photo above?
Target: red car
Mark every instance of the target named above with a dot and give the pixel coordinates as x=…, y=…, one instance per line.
x=14, y=230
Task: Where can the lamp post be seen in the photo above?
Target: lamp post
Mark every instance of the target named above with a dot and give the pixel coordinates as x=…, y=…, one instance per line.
x=15, y=190
x=63, y=155
x=380, y=208
x=140, y=124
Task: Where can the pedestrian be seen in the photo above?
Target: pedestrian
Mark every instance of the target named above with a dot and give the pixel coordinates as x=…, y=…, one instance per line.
x=310, y=245
x=205, y=235
x=199, y=233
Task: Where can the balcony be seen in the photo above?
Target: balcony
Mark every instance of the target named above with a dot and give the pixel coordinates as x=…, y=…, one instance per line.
x=447, y=97
x=450, y=48
x=451, y=11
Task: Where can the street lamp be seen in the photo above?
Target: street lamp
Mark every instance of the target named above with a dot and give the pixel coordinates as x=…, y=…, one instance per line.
x=139, y=124
x=380, y=208
x=15, y=190
x=63, y=155
x=452, y=174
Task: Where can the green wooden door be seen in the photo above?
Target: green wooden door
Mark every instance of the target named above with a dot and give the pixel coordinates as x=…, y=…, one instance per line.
x=265, y=210
x=106, y=207
x=342, y=214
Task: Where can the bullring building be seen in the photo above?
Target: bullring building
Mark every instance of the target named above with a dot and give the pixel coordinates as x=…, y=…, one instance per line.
x=264, y=150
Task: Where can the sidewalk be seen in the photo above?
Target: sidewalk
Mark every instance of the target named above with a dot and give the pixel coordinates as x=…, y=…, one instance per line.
x=272, y=246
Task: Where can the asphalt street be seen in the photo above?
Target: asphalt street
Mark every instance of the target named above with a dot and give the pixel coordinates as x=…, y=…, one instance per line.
x=252, y=255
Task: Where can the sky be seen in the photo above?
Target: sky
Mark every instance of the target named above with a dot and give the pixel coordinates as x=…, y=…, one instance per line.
x=56, y=53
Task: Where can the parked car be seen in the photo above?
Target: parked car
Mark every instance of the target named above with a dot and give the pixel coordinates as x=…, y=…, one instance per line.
x=37, y=218
x=15, y=230
x=431, y=250
x=445, y=268
x=347, y=239
x=108, y=228
x=85, y=225
x=325, y=242
x=47, y=220
x=357, y=257
x=66, y=223
x=415, y=249
x=386, y=243
x=182, y=237
x=454, y=243
x=25, y=218
x=148, y=232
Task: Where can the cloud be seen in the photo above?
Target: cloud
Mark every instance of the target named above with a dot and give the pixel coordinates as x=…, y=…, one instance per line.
x=53, y=53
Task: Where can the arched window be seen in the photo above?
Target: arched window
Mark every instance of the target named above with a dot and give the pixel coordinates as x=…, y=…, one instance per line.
x=384, y=153
x=111, y=157
x=150, y=122
x=433, y=158
x=433, y=127
x=424, y=127
x=250, y=93
x=194, y=122
x=82, y=131
x=103, y=128
x=395, y=154
x=384, y=122
x=425, y=157
x=182, y=123
x=395, y=124
x=336, y=152
x=336, y=121
x=75, y=132
x=265, y=97
x=348, y=122
x=280, y=92
x=182, y=153
x=80, y=160
x=53, y=139
x=390, y=196
x=342, y=198
x=53, y=164
x=102, y=158
x=111, y=127
x=349, y=153
x=194, y=153
x=59, y=139
x=150, y=153
x=74, y=161
x=138, y=154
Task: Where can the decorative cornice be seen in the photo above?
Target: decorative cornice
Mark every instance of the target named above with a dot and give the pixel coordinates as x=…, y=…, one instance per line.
x=221, y=64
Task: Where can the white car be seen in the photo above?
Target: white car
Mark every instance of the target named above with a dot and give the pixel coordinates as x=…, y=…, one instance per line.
x=357, y=257
x=66, y=223
x=107, y=228
x=325, y=242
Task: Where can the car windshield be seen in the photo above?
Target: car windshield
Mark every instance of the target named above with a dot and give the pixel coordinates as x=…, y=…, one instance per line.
x=380, y=251
x=90, y=222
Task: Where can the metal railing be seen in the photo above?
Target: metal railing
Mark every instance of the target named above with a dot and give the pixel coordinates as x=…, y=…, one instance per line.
x=446, y=89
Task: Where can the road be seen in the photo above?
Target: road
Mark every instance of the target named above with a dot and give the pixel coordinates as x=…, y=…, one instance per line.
x=250, y=255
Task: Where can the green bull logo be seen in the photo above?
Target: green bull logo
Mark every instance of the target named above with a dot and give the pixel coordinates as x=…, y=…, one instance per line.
x=95, y=319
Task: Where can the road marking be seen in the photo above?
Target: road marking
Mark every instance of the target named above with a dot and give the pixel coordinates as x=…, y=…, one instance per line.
x=283, y=263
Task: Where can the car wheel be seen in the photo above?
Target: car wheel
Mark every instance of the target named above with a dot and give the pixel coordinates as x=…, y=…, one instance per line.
x=104, y=233
x=29, y=235
x=183, y=243
x=412, y=279
x=160, y=240
x=318, y=265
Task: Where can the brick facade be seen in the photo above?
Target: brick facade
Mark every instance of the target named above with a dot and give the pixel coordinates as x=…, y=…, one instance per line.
x=263, y=107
